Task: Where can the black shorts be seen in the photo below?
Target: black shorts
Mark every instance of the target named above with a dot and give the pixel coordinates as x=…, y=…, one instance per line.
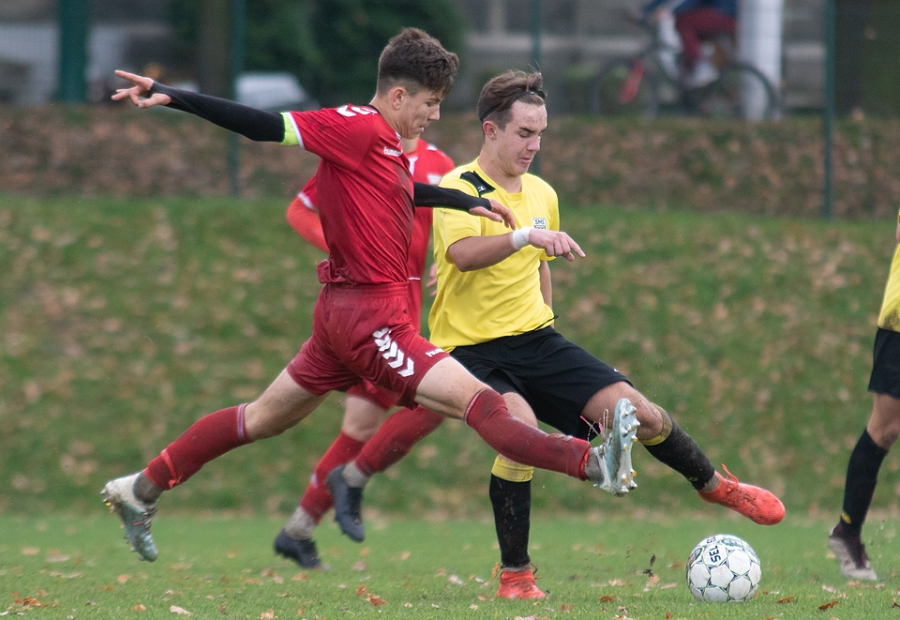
x=556, y=377
x=885, y=377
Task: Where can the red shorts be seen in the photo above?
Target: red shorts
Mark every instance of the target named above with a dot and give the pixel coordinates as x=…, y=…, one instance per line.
x=364, y=332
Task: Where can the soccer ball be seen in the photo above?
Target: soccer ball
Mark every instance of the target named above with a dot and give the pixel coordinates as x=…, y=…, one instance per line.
x=723, y=569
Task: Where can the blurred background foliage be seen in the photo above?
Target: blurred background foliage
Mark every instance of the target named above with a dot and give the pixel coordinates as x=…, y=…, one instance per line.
x=331, y=45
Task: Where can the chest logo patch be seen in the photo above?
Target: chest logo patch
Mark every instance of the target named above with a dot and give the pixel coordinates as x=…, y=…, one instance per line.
x=539, y=222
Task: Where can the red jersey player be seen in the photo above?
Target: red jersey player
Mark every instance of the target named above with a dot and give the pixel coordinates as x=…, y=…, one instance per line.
x=361, y=325
x=366, y=404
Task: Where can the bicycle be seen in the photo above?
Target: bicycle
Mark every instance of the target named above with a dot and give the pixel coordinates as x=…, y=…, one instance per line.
x=649, y=84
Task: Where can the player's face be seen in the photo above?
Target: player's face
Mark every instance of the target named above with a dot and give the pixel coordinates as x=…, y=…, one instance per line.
x=519, y=142
x=417, y=112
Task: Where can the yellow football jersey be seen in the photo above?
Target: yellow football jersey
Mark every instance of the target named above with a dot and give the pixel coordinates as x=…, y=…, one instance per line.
x=503, y=299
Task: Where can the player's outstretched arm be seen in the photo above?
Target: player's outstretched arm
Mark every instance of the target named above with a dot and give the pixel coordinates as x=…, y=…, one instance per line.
x=257, y=125
x=434, y=196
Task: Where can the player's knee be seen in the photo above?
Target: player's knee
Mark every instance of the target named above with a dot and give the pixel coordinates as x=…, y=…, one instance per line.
x=656, y=424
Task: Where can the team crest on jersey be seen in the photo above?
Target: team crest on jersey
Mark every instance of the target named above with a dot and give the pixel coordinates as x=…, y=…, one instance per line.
x=539, y=222
x=397, y=359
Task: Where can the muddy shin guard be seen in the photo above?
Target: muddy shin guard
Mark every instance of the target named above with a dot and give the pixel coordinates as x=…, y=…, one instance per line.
x=510, y=492
x=678, y=450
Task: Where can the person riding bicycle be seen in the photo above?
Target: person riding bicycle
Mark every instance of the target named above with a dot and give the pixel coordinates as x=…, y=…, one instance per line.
x=696, y=21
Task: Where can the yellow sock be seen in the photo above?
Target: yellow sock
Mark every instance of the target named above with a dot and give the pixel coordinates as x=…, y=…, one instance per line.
x=514, y=472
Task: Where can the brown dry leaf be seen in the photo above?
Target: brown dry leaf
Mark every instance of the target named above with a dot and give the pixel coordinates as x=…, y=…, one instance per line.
x=375, y=601
x=474, y=606
x=495, y=571
x=300, y=577
x=362, y=590
x=786, y=599
x=566, y=607
x=267, y=615
x=123, y=578
x=826, y=606
x=668, y=615
x=140, y=608
x=606, y=598
x=175, y=609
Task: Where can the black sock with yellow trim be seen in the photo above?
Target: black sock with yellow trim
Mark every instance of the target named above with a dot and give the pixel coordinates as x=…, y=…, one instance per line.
x=862, y=476
x=679, y=451
x=510, y=492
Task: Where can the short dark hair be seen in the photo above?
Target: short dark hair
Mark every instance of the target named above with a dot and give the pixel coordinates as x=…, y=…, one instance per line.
x=416, y=60
x=502, y=91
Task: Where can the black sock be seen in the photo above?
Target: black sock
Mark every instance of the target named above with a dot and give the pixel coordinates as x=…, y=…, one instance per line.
x=679, y=451
x=862, y=476
x=512, y=517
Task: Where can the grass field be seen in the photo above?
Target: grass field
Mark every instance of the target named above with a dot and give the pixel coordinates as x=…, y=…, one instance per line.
x=123, y=321
x=64, y=567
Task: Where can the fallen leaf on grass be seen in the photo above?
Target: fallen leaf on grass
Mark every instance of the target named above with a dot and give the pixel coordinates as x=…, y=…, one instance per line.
x=826, y=606
x=123, y=578
x=361, y=590
x=375, y=600
x=300, y=577
x=566, y=607
x=140, y=608
x=175, y=609
x=30, y=551
x=454, y=579
x=786, y=599
x=606, y=598
x=267, y=615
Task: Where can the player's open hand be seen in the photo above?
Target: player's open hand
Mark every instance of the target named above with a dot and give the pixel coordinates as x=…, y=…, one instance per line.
x=138, y=91
x=497, y=213
x=554, y=243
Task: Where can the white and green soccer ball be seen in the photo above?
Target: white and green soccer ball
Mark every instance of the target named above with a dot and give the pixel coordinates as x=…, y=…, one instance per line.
x=723, y=569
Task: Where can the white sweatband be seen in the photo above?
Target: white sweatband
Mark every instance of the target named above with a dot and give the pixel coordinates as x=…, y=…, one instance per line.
x=520, y=237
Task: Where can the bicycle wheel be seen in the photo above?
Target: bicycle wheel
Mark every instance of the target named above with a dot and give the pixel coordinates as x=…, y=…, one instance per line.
x=626, y=88
x=740, y=92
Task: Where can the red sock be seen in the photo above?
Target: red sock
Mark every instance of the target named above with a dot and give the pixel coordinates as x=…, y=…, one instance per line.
x=488, y=416
x=395, y=438
x=209, y=437
x=317, y=500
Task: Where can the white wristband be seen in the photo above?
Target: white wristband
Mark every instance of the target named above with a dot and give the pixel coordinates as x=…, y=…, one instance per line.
x=520, y=237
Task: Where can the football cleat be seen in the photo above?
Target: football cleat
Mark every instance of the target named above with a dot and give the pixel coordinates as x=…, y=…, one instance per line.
x=347, y=504
x=755, y=503
x=519, y=585
x=301, y=550
x=851, y=553
x=118, y=494
x=614, y=454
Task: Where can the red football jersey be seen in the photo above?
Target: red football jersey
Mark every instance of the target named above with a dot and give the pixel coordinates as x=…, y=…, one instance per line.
x=427, y=163
x=364, y=193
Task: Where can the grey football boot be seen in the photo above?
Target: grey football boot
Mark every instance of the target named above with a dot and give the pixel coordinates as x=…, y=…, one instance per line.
x=135, y=515
x=613, y=456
